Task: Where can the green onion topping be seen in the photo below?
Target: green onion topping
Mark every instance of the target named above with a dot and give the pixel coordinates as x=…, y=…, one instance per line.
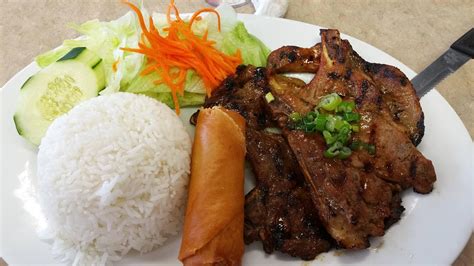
x=330, y=102
x=336, y=120
x=269, y=97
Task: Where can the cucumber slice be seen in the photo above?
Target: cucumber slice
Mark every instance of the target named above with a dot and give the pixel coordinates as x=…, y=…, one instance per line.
x=81, y=54
x=55, y=90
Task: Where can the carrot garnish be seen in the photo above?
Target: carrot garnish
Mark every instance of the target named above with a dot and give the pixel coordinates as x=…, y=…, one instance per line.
x=114, y=65
x=197, y=13
x=171, y=56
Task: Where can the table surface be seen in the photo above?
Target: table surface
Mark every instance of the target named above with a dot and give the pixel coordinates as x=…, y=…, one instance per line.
x=415, y=32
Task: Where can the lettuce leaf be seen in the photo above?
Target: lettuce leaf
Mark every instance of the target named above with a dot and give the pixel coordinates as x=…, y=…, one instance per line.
x=187, y=100
x=105, y=39
x=141, y=84
x=254, y=52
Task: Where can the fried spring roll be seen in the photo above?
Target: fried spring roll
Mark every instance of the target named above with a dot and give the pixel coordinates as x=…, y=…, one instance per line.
x=214, y=221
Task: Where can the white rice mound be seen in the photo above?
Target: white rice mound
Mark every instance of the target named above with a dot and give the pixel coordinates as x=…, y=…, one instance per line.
x=112, y=177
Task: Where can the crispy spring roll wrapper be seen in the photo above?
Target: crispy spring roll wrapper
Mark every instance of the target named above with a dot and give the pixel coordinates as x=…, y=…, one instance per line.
x=214, y=221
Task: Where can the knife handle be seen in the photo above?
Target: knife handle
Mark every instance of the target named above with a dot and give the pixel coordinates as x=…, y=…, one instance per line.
x=465, y=44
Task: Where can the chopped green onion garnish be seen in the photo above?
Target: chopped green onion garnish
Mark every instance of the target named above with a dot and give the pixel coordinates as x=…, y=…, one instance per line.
x=351, y=117
x=339, y=123
x=371, y=149
x=330, y=102
x=273, y=130
x=336, y=120
x=310, y=117
x=269, y=97
x=357, y=145
x=320, y=122
x=330, y=123
x=295, y=117
x=344, y=134
x=333, y=151
x=328, y=137
x=330, y=154
x=345, y=107
x=344, y=153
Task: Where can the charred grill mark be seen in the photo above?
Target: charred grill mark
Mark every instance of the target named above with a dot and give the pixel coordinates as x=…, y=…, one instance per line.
x=371, y=67
x=279, y=233
x=332, y=210
x=420, y=125
x=372, y=136
x=368, y=67
x=389, y=168
x=332, y=41
x=396, y=114
x=240, y=69
x=368, y=167
x=334, y=75
x=279, y=164
x=339, y=178
x=235, y=106
x=261, y=119
x=364, y=87
x=413, y=168
x=379, y=101
x=266, y=88
x=396, y=211
x=403, y=81
x=260, y=74
x=354, y=219
x=229, y=84
x=340, y=55
x=388, y=73
x=292, y=56
x=348, y=74
x=267, y=247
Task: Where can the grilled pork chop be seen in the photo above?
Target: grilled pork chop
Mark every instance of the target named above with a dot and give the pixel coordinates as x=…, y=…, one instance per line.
x=352, y=203
x=294, y=59
x=355, y=198
x=352, y=199
x=279, y=211
x=397, y=92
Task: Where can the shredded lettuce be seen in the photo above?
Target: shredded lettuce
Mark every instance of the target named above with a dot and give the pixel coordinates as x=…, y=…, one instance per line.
x=187, y=100
x=254, y=51
x=233, y=36
x=106, y=39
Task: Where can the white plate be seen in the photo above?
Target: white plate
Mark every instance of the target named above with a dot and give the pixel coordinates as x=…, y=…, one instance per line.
x=433, y=229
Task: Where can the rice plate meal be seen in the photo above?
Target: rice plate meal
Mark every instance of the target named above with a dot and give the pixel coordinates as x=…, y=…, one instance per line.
x=328, y=159
x=112, y=177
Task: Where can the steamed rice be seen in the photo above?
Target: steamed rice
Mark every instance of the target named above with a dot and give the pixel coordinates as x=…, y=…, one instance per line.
x=112, y=176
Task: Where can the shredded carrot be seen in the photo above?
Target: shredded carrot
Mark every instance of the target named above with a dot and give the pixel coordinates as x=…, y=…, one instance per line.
x=197, y=13
x=114, y=65
x=171, y=56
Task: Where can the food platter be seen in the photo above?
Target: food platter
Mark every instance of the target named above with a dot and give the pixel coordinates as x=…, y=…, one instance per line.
x=434, y=228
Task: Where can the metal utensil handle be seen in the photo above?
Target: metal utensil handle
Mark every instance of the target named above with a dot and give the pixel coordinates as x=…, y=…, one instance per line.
x=465, y=44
